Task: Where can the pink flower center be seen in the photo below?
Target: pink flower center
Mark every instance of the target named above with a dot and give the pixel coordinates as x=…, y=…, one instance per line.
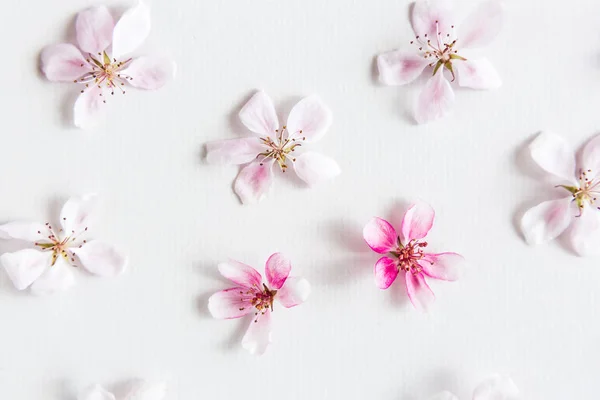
x=442, y=48
x=281, y=147
x=105, y=71
x=409, y=256
x=59, y=246
x=260, y=299
x=588, y=190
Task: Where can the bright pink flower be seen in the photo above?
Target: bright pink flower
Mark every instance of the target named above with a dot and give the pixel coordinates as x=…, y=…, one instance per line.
x=275, y=144
x=252, y=296
x=101, y=71
x=405, y=253
x=439, y=48
x=496, y=387
x=579, y=182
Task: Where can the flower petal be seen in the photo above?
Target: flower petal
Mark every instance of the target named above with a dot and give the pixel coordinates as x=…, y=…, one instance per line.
x=94, y=27
x=96, y=392
x=445, y=395
x=87, y=107
x=63, y=63
x=419, y=293
x=258, y=336
x=386, y=272
x=233, y=151
x=590, y=158
x=547, y=220
x=149, y=72
x=585, y=233
x=28, y=231
x=101, y=259
x=259, y=115
x=144, y=390
x=427, y=14
x=309, y=119
x=241, y=274
x=552, y=153
x=230, y=303
x=76, y=214
x=400, y=67
x=482, y=25
x=417, y=221
x=314, y=168
x=131, y=30
x=436, y=99
x=23, y=267
x=445, y=266
x=295, y=292
x=496, y=387
x=380, y=235
x=254, y=181
x=477, y=74
x=56, y=278
x=277, y=269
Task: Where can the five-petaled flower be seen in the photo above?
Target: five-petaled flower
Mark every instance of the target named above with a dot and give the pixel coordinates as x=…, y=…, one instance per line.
x=101, y=71
x=252, y=296
x=579, y=182
x=47, y=267
x=274, y=144
x=439, y=49
x=406, y=253
x=139, y=390
x=496, y=387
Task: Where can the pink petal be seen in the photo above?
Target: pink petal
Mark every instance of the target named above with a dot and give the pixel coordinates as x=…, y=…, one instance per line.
x=496, y=387
x=258, y=335
x=94, y=28
x=259, y=115
x=241, y=274
x=23, y=267
x=309, y=119
x=436, y=100
x=63, y=63
x=150, y=72
x=77, y=213
x=295, y=292
x=254, y=181
x=585, y=233
x=314, y=168
x=230, y=303
x=131, y=30
x=426, y=14
x=56, y=278
x=386, y=272
x=477, y=74
x=419, y=292
x=144, y=390
x=28, y=231
x=417, y=221
x=277, y=269
x=101, y=259
x=552, y=153
x=445, y=266
x=547, y=220
x=590, y=159
x=380, y=235
x=482, y=25
x=96, y=392
x=400, y=67
x=233, y=151
x=87, y=108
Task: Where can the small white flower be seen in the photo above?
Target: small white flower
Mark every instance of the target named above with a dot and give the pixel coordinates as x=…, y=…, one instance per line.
x=139, y=391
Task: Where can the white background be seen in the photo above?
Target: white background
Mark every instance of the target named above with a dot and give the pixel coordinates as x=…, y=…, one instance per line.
x=527, y=312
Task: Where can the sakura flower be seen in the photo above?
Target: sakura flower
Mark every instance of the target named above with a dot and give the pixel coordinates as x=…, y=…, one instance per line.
x=252, y=296
x=141, y=390
x=274, y=144
x=47, y=267
x=100, y=64
x=578, y=181
x=438, y=48
x=405, y=253
x=496, y=387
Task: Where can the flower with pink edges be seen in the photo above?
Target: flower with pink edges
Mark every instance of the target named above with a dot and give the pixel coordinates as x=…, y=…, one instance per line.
x=496, y=387
x=274, y=144
x=405, y=253
x=252, y=296
x=577, y=211
x=139, y=390
x=438, y=48
x=100, y=64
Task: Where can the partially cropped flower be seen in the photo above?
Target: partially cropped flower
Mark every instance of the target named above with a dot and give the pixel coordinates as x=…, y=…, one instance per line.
x=101, y=65
x=274, y=144
x=406, y=254
x=438, y=49
x=496, y=387
x=578, y=181
x=140, y=390
x=57, y=249
x=252, y=296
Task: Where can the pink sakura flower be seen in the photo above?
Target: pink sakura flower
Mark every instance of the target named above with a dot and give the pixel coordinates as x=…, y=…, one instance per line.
x=406, y=253
x=47, y=267
x=496, y=387
x=140, y=390
x=275, y=144
x=101, y=65
x=252, y=296
x=579, y=183
x=438, y=48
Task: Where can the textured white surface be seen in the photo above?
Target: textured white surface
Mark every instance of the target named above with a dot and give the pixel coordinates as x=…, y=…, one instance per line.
x=527, y=312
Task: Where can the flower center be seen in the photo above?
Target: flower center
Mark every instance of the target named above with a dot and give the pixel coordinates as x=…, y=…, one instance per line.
x=409, y=256
x=261, y=299
x=105, y=71
x=442, y=48
x=280, y=147
x=588, y=190
x=59, y=246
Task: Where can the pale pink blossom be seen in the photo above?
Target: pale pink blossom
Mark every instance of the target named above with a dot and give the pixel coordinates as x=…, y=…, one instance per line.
x=405, y=254
x=139, y=390
x=57, y=249
x=101, y=64
x=496, y=387
x=251, y=296
x=438, y=49
x=577, y=179
x=274, y=144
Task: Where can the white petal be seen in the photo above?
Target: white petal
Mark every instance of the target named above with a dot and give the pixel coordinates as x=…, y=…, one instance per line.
x=29, y=231
x=258, y=336
x=444, y=396
x=147, y=391
x=254, y=181
x=63, y=63
x=309, y=119
x=400, y=67
x=552, y=153
x=547, y=220
x=149, y=72
x=314, y=168
x=96, y=392
x=131, y=30
x=56, y=278
x=259, y=115
x=23, y=267
x=477, y=74
x=101, y=259
x=88, y=106
x=426, y=14
x=436, y=100
x=585, y=233
x=496, y=387
x=233, y=151
x=590, y=159
x=76, y=214
x=94, y=28
x=482, y=25
x=294, y=292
